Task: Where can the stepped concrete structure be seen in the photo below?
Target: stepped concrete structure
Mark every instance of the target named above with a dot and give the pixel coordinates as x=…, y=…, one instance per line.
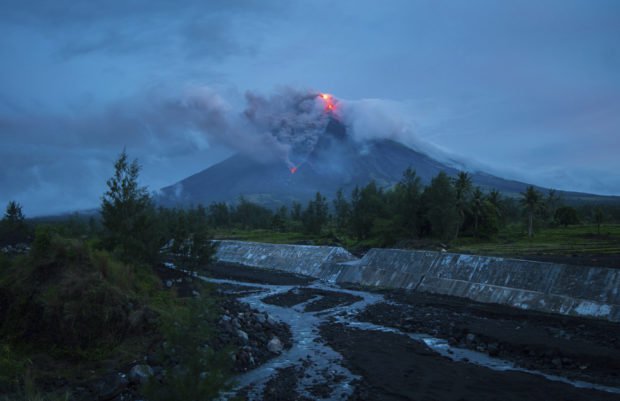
x=547, y=287
x=308, y=260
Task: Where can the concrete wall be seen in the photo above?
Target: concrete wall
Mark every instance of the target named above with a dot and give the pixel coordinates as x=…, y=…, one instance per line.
x=547, y=287
x=316, y=261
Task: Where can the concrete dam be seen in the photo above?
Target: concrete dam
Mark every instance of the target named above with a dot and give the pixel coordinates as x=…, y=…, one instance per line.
x=547, y=287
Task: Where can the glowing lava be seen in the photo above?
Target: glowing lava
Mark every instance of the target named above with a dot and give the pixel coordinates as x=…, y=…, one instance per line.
x=330, y=103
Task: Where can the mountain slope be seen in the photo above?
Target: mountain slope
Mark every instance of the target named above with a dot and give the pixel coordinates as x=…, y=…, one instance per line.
x=335, y=162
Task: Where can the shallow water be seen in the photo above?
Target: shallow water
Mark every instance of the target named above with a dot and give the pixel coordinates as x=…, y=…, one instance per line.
x=307, y=344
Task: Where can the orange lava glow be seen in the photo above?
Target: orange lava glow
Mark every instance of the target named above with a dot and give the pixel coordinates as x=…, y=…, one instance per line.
x=330, y=104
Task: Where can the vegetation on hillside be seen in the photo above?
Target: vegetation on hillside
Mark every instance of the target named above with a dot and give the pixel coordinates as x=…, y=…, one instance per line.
x=84, y=295
x=446, y=211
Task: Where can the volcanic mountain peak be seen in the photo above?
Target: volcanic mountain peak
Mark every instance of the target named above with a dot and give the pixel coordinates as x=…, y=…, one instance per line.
x=335, y=162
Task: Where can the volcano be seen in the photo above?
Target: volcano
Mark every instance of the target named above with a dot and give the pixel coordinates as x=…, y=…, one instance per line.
x=336, y=162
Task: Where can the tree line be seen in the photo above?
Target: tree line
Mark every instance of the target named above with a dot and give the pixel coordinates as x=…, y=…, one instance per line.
x=446, y=209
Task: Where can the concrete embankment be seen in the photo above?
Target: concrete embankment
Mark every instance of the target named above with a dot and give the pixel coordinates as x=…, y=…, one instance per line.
x=548, y=287
x=315, y=261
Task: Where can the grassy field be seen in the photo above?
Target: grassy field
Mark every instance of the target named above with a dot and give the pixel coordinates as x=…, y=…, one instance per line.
x=560, y=241
x=578, y=239
x=274, y=237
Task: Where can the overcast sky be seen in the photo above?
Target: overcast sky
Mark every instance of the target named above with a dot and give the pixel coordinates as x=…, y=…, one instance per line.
x=528, y=89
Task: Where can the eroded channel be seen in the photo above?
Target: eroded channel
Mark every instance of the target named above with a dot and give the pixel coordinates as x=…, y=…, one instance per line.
x=321, y=373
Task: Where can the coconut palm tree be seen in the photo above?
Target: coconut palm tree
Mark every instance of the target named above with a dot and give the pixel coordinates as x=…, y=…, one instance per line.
x=477, y=207
x=531, y=200
x=462, y=187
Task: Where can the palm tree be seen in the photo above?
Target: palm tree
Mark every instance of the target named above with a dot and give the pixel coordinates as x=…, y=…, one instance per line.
x=462, y=187
x=477, y=207
x=531, y=201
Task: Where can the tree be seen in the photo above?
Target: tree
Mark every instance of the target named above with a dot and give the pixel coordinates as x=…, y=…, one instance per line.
x=13, y=227
x=531, y=201
x=598, y=219
x=439, y=200
x=296, y=211
x=342, y=210
x=566, y=215
x=462, y=189
x=219, y=214
x=279, y=219
x=552, y=203
x=367, y=205
x=127, y=213
x=197, y=248
x=315, y=215
x=477, y=207
x=406, y=202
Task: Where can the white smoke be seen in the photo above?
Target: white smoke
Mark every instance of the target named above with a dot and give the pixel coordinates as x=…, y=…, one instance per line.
x=288, y=124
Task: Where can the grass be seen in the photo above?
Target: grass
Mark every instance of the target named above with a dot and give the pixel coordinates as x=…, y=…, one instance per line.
x=274, y=237
x=577, y=239
x=70, y=310
x=511, y=241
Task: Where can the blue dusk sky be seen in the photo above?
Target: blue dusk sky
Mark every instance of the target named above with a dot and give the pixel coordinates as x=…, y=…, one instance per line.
x=528, y=90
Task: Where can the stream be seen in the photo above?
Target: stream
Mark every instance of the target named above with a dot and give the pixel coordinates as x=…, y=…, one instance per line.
x=311, y=352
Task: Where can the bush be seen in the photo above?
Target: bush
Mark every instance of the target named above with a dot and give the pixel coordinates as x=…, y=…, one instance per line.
x=67, y=296
x=203, y=372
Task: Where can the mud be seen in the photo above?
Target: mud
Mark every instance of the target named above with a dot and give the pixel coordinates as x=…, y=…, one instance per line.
x=321, y=299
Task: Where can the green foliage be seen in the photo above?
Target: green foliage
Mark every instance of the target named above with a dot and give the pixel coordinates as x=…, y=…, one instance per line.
x=566, y=215
x=315, y=215
x=408, y=214
x=203, y=372
x=128, y=215
x=219, y=215
x=12, y=368
x=71, y=298
x=462, y=192
x=406, y=204
x=42, y=244
x=342, y=211
x=188, y=236
x=279, y=219
x=250, y=215
x=531, y=200
x=13, y=227
x=367, y=205
x=26, y=390
x=440, y=204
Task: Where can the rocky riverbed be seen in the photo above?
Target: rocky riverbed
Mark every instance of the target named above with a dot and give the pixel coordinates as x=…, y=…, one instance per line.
x=295, y=338
x=348, y=343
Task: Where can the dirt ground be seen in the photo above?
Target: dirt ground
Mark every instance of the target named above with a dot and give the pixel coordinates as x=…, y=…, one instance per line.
x=392, y=366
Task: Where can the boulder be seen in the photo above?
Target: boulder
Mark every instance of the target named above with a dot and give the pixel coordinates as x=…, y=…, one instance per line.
x=140, y=373
x=243, y=335
x=275, y=345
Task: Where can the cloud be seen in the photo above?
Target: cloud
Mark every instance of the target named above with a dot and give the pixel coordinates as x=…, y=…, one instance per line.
x=212, y=30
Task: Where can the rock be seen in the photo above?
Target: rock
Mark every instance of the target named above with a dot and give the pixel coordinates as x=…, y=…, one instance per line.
x=470, y=338
x=140, y=373
x=243, y=335
x=261, y=318
x=493, y=349
x=275, y=345
x=271, y=321
x=109, y=386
